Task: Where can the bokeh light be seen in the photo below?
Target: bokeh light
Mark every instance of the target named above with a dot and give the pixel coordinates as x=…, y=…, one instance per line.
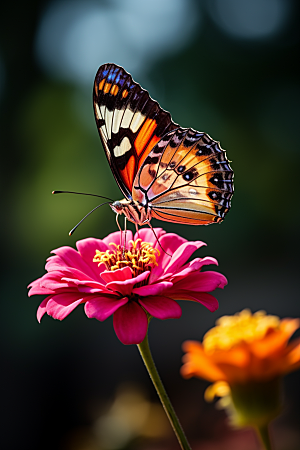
x=250, y=19
x=75, y=37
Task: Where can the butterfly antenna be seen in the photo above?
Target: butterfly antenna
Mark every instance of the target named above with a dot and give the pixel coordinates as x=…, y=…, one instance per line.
x=81, y=193
x=158, y=239
x=76, y=226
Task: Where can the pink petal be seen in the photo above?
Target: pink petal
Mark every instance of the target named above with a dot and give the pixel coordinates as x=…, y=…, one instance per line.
x=42, y=309
x=53, y=281
x=130, y=323
x=61, y=305
x=117, y=275
x=93, y=290
x=167, y=245
x=101, y=308
x=89, y=283
x=201, y=282
x=75, y=273
x=87, y=249
x=56, y=263
x=48, y=284
x=124, y=288
x=147, y=235
x=153, y=289
x=36, y=290
x=86, y=286
x=208, y=300
x=116, y=238
x=73, y=259
x=170, y=242
x=193, y=266
x=182, y=254
x=161, y=307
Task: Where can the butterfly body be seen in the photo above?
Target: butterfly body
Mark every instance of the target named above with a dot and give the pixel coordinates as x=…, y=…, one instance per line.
x=164, y=171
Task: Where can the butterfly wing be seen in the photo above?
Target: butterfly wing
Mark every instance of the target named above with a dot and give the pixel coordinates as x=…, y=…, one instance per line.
x=186, y=178
x=129, y=122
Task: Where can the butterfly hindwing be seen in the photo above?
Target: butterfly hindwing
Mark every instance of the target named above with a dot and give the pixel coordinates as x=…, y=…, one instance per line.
x=186, y=178
x=129, y=121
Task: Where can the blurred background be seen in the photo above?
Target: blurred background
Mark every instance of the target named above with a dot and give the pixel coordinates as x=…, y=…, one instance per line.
x=227, y=67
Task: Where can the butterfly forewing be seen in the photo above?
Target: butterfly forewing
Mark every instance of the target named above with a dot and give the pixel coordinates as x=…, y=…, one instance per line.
x=129, y=121
x=186, y=178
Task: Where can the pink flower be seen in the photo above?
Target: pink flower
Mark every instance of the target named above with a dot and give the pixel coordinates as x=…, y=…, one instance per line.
x=127, y=283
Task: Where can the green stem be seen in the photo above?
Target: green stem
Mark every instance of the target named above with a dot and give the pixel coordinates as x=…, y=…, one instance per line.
x=263, y=433
x=149, y=363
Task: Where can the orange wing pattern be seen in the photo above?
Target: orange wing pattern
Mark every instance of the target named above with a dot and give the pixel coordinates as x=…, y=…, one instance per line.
x=129, y=121
x=186, y=178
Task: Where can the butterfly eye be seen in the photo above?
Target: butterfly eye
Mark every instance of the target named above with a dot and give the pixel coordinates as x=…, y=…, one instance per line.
x=117, y=205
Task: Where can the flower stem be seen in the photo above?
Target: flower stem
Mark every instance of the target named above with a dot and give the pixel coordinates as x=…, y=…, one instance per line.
x=263, y=433
x=149, y=363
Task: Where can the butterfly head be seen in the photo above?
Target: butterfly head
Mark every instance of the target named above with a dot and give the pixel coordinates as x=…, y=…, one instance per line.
x=134, y=211
x=117, y=207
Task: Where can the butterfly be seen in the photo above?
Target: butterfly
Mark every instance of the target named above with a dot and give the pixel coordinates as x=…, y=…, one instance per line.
x=164, y=171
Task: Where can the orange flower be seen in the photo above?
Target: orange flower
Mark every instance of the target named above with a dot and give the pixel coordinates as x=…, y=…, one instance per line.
x=244, y=348
x=245, y=356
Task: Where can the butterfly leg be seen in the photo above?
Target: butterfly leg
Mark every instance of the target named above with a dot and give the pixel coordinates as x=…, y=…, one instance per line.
x=117, y=221
x=137, y=230
x=157, y=239
x=125, y=233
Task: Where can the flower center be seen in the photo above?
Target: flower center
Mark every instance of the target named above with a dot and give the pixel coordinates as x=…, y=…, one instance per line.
x=242, y=327
x=140, y=256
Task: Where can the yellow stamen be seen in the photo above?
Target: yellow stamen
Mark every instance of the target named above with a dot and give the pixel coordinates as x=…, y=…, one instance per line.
x=242, y=327
x=140, y=256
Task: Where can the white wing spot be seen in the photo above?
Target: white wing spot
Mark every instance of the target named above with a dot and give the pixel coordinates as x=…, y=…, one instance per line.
x=118, y=114
x=193, y=192
x=124, y=147
x=137, y=121
x=98, y=113
x=102, y=111
x=108, y=121
x=127, y=118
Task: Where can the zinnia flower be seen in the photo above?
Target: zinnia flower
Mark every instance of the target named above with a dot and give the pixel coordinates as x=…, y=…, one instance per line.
x=127, y=280
x=245, y=356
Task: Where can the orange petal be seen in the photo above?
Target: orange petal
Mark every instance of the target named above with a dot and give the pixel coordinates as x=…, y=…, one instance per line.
x=197, y=363
x=289, y=326
x=275, y=341
x=238, y=356
x=293, y=357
